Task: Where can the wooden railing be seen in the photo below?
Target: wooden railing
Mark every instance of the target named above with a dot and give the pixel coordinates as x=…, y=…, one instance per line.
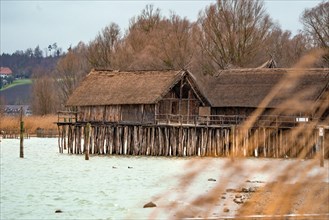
x=198, y=120
x=228, y=120
x=67, y=116
x=209, y=120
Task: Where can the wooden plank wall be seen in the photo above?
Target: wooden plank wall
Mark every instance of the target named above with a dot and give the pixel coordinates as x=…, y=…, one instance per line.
x=117, y=113
x=181, y=141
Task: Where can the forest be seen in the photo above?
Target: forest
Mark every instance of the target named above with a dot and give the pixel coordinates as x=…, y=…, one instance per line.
x=227, y=34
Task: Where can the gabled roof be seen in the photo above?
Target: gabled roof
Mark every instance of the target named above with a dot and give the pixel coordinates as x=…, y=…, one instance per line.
x=228, y=88
x=5, y=71
x=107, y=87
x=249, y=87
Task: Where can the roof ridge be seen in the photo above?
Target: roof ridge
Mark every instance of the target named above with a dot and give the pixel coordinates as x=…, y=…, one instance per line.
x=270, y=71
x=135, y=72
x=130, y=70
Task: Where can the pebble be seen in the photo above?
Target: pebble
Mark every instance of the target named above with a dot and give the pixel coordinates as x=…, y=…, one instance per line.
x=238, y=196
x=231, y=190
x=150, y=205
x=211, y=179
x=248, y=190
x=238, y=200
x=226, y=209
x=58, y=211
x=254, y=181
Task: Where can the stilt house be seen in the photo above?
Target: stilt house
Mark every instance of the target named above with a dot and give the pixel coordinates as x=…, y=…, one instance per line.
x=173, y=113
x=287, y=95
x=139, y=97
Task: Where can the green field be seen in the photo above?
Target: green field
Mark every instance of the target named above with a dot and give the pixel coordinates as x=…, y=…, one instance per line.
x=17, y=83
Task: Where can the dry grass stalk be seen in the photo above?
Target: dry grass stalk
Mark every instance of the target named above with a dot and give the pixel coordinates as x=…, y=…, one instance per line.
x=31, y=123
x=295, y=191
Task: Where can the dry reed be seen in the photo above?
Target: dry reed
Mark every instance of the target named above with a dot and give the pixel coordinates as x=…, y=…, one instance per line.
x=295, y=194
x=31, y=123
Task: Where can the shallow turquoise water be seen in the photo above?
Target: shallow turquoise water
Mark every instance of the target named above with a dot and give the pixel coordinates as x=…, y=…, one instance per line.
x=45, y=180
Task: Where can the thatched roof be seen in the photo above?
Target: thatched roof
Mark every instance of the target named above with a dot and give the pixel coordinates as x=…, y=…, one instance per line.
x=106, y=87
x=248, y=87
x=228, y=88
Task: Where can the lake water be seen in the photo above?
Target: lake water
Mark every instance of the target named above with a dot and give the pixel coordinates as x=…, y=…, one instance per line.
x=114, y=187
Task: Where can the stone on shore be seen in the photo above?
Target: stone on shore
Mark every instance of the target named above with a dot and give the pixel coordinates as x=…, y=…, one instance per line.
x=150, y=205
x=238, y=200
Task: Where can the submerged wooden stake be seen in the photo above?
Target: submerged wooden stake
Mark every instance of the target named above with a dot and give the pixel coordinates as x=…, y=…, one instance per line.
x=21, y=144
x=87, y=140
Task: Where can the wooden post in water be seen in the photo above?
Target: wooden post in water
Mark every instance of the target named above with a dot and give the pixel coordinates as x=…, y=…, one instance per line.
x=21, y=144
x=87, y=140
x=321, y=145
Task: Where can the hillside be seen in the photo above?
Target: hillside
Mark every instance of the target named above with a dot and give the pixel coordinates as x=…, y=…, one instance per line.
x=17, y=95
x=17, y=83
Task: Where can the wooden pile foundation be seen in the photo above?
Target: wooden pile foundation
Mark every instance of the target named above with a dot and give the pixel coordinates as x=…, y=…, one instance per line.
x=185, y=140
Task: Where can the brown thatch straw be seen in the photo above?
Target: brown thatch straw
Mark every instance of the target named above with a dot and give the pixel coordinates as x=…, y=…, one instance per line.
x=250, y=87
x=107, y=87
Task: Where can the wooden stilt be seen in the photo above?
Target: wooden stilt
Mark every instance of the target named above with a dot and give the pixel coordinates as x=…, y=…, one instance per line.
x=180, y=147
x=87, y=140
x=321, y=144
x=148, y=141
x=167, y=144
x=151, y=145
x=281, y=151
x=208, y=142
x=125, y=140
x=21, y=142
x=161, y=142
x=59, y=139
x=245, y=150
x=65, y=129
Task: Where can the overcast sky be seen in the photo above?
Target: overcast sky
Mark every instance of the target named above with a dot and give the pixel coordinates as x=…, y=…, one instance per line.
x=26, y=24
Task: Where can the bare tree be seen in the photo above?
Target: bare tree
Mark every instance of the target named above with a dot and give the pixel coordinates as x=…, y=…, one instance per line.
x=70, y=70
x=232, y=32
x=44, y=100
x=134, y=48
x=147, y=20
x=284, y=48
x=173, y=43
x=316, y=25
x=101, y=51
x=156, y=42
